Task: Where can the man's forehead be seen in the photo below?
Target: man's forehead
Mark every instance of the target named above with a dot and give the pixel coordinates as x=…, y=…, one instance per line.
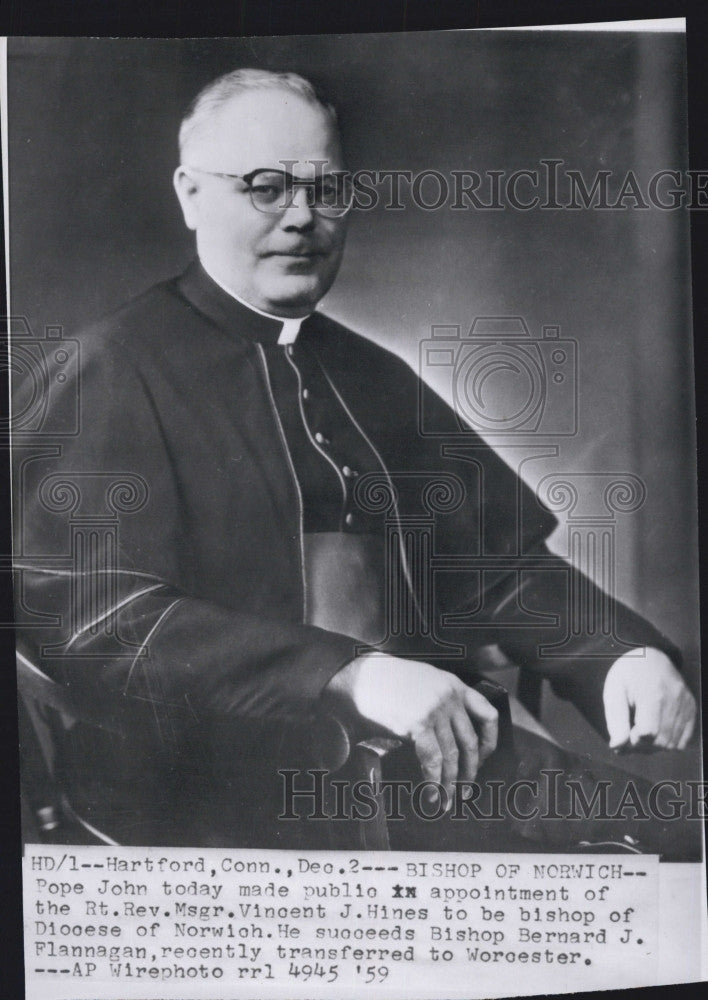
x=264, y=128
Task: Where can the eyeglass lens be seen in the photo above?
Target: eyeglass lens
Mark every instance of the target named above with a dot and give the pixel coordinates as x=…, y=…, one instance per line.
x=274, y=190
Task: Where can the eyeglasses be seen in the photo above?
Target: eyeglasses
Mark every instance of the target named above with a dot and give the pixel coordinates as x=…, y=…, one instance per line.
x=273, y=191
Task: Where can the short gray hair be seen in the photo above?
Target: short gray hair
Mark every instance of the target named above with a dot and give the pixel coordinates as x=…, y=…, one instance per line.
x=219, y=92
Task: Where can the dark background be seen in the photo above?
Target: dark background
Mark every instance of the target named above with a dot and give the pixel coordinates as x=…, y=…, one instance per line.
x=94, y=220
x=214, y=17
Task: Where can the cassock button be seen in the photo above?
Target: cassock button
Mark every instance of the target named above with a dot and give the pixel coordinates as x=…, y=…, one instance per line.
x=320, y=438
x=349, y=473
x=349, y=520
x=305, y=393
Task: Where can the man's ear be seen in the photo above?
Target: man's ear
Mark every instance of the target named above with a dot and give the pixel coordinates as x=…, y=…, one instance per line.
x=187, y=188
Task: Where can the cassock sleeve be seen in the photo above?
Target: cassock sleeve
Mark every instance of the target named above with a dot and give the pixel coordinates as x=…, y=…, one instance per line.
x=572, y=649
x=99, y=609
x=546, y=615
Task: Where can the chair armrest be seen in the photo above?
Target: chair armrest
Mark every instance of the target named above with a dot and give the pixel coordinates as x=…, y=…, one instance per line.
x=337, y=741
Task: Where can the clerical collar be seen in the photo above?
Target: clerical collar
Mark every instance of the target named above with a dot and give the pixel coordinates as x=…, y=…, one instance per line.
x=289, y=327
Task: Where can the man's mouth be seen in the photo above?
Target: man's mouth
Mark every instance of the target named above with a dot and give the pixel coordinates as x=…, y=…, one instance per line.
x=300, y=254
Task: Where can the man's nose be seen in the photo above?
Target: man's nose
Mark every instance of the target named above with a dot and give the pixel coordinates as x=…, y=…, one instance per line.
x=299, y=214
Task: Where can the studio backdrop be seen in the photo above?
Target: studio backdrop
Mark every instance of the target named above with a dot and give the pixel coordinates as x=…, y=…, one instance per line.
x=94, y=221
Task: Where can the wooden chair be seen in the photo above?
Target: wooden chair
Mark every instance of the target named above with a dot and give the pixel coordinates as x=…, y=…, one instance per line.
x=49, y=709
x=44, y=708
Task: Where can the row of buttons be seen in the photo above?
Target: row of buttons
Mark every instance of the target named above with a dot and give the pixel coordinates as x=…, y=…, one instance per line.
x=321, y=439
x=346, y=469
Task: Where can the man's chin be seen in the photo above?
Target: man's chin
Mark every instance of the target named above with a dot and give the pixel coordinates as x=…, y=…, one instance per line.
x=292, y=295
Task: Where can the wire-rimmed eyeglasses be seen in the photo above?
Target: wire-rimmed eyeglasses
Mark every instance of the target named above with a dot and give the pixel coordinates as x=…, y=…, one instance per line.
x=272, y=191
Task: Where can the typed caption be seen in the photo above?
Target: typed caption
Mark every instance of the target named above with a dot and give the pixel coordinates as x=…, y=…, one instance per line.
x=124, y=923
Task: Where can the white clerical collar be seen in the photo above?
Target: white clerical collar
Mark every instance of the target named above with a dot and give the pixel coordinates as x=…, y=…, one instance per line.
x=290, y=327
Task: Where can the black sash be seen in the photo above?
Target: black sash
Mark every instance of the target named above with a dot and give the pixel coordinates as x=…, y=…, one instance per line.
x=345, y=580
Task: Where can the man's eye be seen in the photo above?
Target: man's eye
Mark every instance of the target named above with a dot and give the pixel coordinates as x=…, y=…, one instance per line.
x=267, y=190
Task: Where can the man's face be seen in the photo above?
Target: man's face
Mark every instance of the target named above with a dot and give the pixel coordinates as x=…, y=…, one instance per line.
x=282, y=263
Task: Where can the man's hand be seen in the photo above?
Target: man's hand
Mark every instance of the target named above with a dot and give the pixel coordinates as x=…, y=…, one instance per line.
x=647, y=703
x=452, y=727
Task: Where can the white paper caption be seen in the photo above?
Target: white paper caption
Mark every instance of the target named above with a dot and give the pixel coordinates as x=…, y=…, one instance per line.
x=123, y=923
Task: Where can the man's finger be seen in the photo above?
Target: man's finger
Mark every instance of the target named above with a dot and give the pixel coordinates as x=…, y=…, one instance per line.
x=647, y=721
x=468, y=745
x=687, y=732
x=616, y=715
x=429, y=755
x=668, y=712
x=685, y=719
x=450, y=756
x=679, y=717
x=486, y=721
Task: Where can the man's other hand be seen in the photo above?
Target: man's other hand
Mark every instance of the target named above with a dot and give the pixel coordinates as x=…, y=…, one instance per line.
x=452, y=727
x=647, y=703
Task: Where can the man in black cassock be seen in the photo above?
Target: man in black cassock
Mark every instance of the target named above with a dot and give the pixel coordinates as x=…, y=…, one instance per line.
x=261, y=463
